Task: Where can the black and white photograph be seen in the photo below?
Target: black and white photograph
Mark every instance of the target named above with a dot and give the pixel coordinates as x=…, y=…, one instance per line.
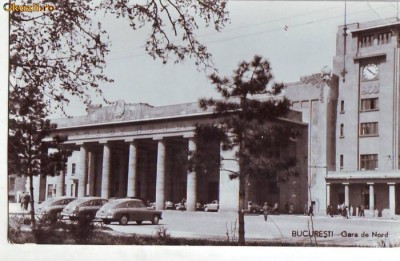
x=236, y=125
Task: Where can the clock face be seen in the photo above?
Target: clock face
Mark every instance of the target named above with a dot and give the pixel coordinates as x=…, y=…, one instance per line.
x=370, y=71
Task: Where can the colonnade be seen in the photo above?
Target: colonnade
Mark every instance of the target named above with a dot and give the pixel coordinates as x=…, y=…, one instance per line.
x=128, y=184
x=391, y=195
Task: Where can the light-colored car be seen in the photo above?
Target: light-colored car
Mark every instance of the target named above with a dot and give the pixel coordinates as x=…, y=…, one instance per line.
x=168, y=205
x=51, y=208
x=213, y=206
x=83, y=209
x=125, y=210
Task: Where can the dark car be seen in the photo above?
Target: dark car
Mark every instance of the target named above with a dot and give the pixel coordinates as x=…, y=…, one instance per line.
x=125, y=210
x=51, y=208
x=83, y=208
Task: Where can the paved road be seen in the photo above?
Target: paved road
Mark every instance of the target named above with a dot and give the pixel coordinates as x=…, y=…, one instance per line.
x=335, y=230
x=215, y=225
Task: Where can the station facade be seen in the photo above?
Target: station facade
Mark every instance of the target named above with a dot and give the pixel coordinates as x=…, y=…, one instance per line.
x=347, y=151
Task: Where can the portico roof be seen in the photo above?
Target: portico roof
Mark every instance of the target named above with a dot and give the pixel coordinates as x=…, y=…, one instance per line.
x=363, y=176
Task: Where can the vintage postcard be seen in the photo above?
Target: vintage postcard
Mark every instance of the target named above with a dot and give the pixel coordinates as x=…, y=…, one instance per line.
x=201, y=123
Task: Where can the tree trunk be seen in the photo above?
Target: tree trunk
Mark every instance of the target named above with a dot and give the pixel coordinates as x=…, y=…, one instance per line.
x=33, y=223
x=242, y=190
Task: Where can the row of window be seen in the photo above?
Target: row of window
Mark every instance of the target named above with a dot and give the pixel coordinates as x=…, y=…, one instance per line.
x=366, y=129
x=367, y=161
x=368, y=40
x=370, y=104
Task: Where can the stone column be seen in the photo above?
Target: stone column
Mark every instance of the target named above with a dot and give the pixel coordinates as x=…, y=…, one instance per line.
x=92, y=173
x=105, y=180
x=191, y=189
x=328, y=194
x=392, y=199
x=160, y=183
x=371, y=198
x=228, y=188
x=60, y=184
x=132, y=171
x=82, y=172
x=346, y=194
x=122, y=177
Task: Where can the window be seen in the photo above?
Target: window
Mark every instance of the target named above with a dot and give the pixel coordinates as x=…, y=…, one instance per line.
x=369, y=128
x=365, y=41
x=50, y=191
x=341, y=106
x=342, y=130
x=11, y=184
x=371, y=104
x=73, y=169
x=369, y=161
x=384, y=38
x=341, y=161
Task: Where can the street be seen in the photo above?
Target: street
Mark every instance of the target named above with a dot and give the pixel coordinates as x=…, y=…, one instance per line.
x=293, y=228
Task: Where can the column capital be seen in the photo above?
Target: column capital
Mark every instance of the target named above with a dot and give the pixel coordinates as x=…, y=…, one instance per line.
x=158, y=137
x=130, y=140
x=370, y=183
x=328, y=184
x=103, y=141
x=391, y=183
x=346, y=183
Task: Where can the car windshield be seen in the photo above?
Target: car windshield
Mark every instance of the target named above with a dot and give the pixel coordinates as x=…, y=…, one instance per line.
x=115, y=202
x=77, y=202
x=47, y=202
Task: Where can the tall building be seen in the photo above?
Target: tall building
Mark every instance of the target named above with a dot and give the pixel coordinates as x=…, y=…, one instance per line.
x=367, y=118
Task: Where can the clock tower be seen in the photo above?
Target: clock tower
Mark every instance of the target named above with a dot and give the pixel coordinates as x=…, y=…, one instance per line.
x=367, y=147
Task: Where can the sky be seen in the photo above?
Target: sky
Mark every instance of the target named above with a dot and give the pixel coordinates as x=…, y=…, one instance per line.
x=256, y=27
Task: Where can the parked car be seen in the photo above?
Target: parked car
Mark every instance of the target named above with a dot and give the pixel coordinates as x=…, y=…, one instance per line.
x=51, y=208
x=254, y=208
x=125, y=210
x=180, y=206
x=213, y=206
x=168, y=205
x=83, y=208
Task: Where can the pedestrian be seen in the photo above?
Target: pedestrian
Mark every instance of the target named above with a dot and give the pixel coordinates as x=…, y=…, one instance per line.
x=287, y=207
x=311, y=210
x=275, y=210
x=362, y=207
x=27, y=198
x=21, y=200
x=339, y=209
x=266, y=211
x=291, y=207
x=305, y=210
x=345, y=212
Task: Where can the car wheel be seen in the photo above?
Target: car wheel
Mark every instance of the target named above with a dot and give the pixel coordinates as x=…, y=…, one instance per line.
x=155, y=220
x=124, y=220
x=206, y=209
x=139, y=222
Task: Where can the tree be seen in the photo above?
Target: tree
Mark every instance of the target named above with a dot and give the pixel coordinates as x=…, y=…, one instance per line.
x=27, y=153
x=243, y=120
x=57, y=55
x=62, y=52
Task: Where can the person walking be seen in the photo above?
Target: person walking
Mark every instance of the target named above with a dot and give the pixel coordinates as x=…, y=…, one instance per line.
x=362, y=207
x=27, y=198
x=311, y=210
x=266, y=211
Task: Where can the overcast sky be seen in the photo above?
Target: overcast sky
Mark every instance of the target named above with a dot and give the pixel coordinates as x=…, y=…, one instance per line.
x=257, y=27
